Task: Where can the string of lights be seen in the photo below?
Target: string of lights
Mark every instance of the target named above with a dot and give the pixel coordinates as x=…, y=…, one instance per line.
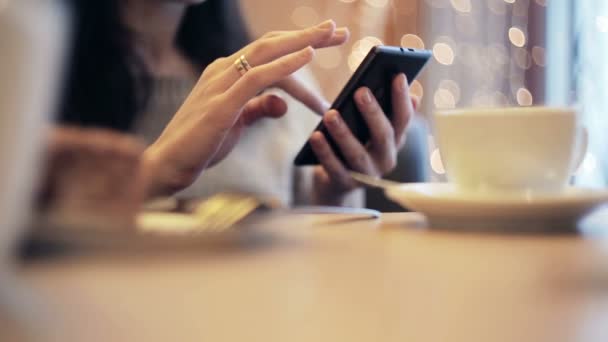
x=483, y=50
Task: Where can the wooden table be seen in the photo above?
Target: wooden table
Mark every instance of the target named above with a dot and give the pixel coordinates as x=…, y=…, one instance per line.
x=323, y=278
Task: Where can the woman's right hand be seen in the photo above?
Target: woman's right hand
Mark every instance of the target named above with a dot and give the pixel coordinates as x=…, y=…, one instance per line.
x=223, y=103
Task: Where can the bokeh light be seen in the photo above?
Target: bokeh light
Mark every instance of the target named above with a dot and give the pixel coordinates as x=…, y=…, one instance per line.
x=365, y=44
x=517, y=36
x=437, y=163
x=443, y=53
x=377, y=3
x=360, y=49
x=482, y=98
x=522, y=58
x=463, y=6
x=444, y=99
x=452, y=87
x=498, y=54
x=413, y=41
x=539, y=56
x=354, y=60
x=524, y=97
x=483, y=52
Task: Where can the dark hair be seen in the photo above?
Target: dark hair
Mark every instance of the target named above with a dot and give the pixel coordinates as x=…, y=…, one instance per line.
x=107, y=85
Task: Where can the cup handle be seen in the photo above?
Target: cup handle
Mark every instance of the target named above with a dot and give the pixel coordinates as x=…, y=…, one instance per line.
x=581, y=148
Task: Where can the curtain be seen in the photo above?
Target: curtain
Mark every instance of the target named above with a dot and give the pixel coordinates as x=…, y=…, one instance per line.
x=488, y=53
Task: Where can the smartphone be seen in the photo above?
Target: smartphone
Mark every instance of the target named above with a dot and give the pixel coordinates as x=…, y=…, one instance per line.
x=376, y=72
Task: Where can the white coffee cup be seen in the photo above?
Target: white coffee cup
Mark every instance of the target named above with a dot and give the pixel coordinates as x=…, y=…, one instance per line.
x=510, y=150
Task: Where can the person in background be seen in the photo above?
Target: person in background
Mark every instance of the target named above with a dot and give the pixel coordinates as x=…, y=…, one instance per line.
x=137, y=62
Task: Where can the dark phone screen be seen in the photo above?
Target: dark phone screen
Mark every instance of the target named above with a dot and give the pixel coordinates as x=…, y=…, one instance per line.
x=376, y=72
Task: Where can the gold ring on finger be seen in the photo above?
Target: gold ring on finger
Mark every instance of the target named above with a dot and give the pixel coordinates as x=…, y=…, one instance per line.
x=242, y=65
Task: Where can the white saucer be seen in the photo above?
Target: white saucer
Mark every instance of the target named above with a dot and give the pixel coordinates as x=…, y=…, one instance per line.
x=446, y=208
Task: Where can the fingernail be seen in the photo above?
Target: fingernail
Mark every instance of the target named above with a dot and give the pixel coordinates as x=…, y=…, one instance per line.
x=326, y=25
x=342, y=33
x=307, y=53
x=366, y=98
x=334, y=119
x=314, y=139
x=402, y=82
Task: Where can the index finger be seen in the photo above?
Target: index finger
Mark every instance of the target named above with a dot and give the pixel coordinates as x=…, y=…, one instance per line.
x=340, y=36
x=261, y=77
x=267, y=49
x=300, y=92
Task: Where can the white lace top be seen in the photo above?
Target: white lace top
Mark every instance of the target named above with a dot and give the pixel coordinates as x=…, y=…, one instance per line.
x=261, y=163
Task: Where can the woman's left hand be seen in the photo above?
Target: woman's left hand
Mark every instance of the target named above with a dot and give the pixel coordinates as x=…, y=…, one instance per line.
x=376, y=158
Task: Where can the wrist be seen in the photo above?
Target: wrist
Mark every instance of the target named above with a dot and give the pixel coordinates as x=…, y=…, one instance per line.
x=150, y=174
x=159, y=175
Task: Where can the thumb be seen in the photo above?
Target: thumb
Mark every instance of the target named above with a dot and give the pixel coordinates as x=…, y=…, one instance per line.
x=263, y=106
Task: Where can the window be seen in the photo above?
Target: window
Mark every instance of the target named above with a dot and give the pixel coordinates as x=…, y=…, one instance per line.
x=590, y=82
x=578, y=74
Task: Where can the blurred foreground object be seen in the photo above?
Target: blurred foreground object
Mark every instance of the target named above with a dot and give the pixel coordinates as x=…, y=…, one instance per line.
x=32, y=42
x=93, y=179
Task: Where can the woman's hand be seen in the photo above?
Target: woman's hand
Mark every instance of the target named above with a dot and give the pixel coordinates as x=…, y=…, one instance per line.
x=223, y=102
x=377, y=158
